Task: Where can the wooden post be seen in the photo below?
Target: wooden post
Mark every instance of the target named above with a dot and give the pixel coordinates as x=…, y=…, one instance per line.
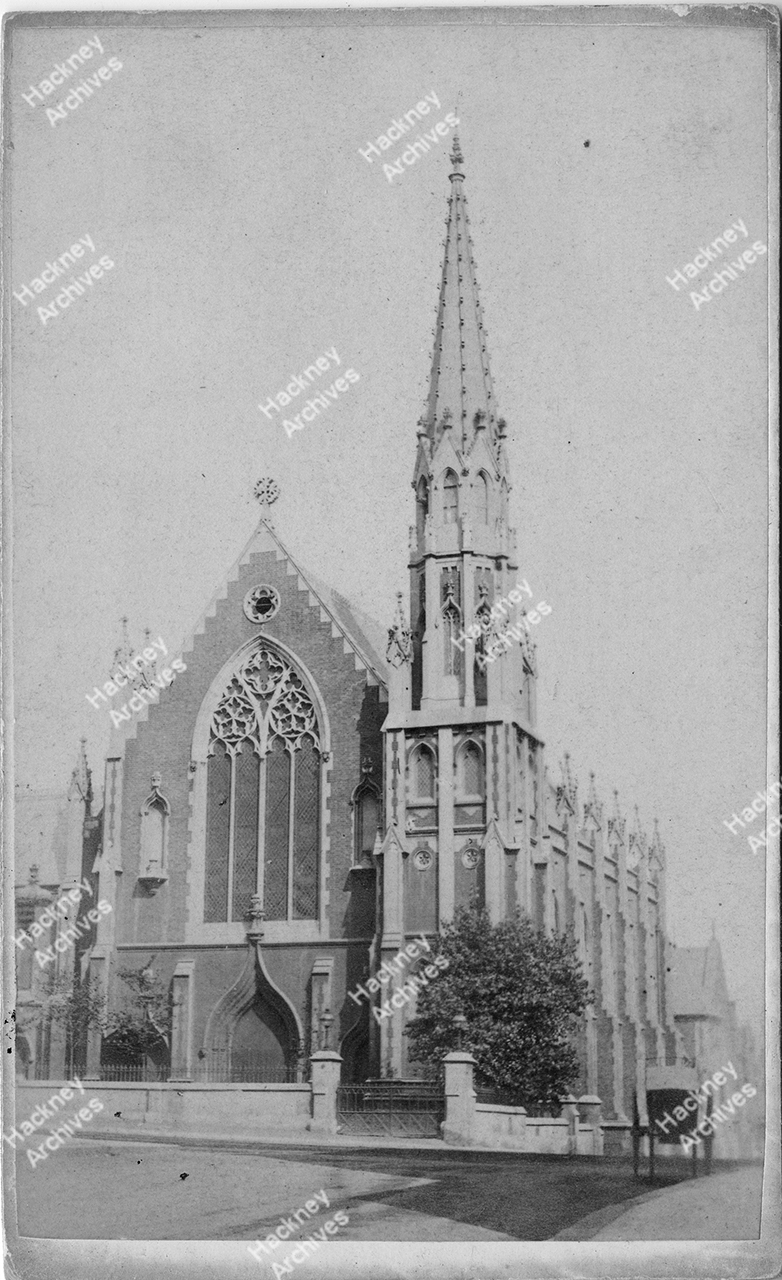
x=636, y=1136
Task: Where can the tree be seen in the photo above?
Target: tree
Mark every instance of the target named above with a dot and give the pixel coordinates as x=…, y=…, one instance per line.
x=142, y=1028
x=145, y=1027
x=521, y=992
x=75, y=1008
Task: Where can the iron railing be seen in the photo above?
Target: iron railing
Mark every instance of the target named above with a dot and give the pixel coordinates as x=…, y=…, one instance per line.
x=216, y=1067
x=395, y=1108
x=494, y=1095
x=224, y=1067
x=134, y=1072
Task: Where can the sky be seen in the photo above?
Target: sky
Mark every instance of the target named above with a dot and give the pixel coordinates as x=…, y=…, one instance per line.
x=219, y=171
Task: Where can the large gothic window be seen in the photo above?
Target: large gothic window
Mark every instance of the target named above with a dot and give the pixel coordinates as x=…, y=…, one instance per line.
x=263, y=794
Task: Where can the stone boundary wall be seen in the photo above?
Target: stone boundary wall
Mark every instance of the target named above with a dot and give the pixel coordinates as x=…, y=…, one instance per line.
x=239, y=1109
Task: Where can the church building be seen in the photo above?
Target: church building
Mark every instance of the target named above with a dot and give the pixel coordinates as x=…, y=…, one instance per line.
x=313, y=790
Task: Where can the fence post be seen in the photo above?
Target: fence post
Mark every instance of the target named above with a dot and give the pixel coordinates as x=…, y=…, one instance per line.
x=182, y=996
x=591, y=1109
x=459, y=1121
x=326, y=1067
x=570, y=1113
x=98, y=970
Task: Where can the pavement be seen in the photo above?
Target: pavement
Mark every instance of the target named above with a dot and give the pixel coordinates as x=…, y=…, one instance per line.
x=725, y=1206
x=282, y=1140
x=136, y=1185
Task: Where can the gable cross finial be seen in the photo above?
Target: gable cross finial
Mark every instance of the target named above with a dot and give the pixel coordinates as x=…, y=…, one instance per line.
x=266, y=491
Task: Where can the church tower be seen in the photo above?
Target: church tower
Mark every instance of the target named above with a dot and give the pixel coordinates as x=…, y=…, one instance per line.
x=463, y=758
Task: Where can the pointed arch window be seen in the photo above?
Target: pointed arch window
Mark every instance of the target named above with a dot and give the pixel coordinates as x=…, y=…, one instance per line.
x=421, y=508
x=423, y=773
x=484, y=498
x=452, y=627
x=483, y=619
x=264, y=767
x=422, y=788
x=450, y=498
x=470, y=797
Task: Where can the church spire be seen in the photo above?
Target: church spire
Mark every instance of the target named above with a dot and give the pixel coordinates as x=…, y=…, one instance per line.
x=460, y=385
x=462, y=549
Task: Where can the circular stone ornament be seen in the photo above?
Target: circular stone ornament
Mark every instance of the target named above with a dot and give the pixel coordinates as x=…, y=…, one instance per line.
x=267, y=491
x=262, y=603
x=470, y=859
x=422, y=859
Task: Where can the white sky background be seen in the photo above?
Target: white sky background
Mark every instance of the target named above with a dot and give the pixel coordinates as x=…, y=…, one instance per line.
x=219, y=169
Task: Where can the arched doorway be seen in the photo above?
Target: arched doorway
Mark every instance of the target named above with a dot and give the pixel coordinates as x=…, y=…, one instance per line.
x=253, y=1033
x=260, y=1047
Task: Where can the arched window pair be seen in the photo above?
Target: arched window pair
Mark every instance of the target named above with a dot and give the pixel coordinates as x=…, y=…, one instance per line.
x=263, y=794
x=451, y=498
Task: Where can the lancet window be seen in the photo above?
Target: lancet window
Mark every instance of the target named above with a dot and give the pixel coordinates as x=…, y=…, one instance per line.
x=421, y=508
x=470, y=797
x=450, y=497
x=482, y=494
x=422, y=788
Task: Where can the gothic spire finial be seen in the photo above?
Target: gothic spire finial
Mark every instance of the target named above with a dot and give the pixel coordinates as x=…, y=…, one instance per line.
x=400, y=639
x=592, y=805
x=457, y=158
x=617, y=823
x=123, y=652
x=81, y=778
